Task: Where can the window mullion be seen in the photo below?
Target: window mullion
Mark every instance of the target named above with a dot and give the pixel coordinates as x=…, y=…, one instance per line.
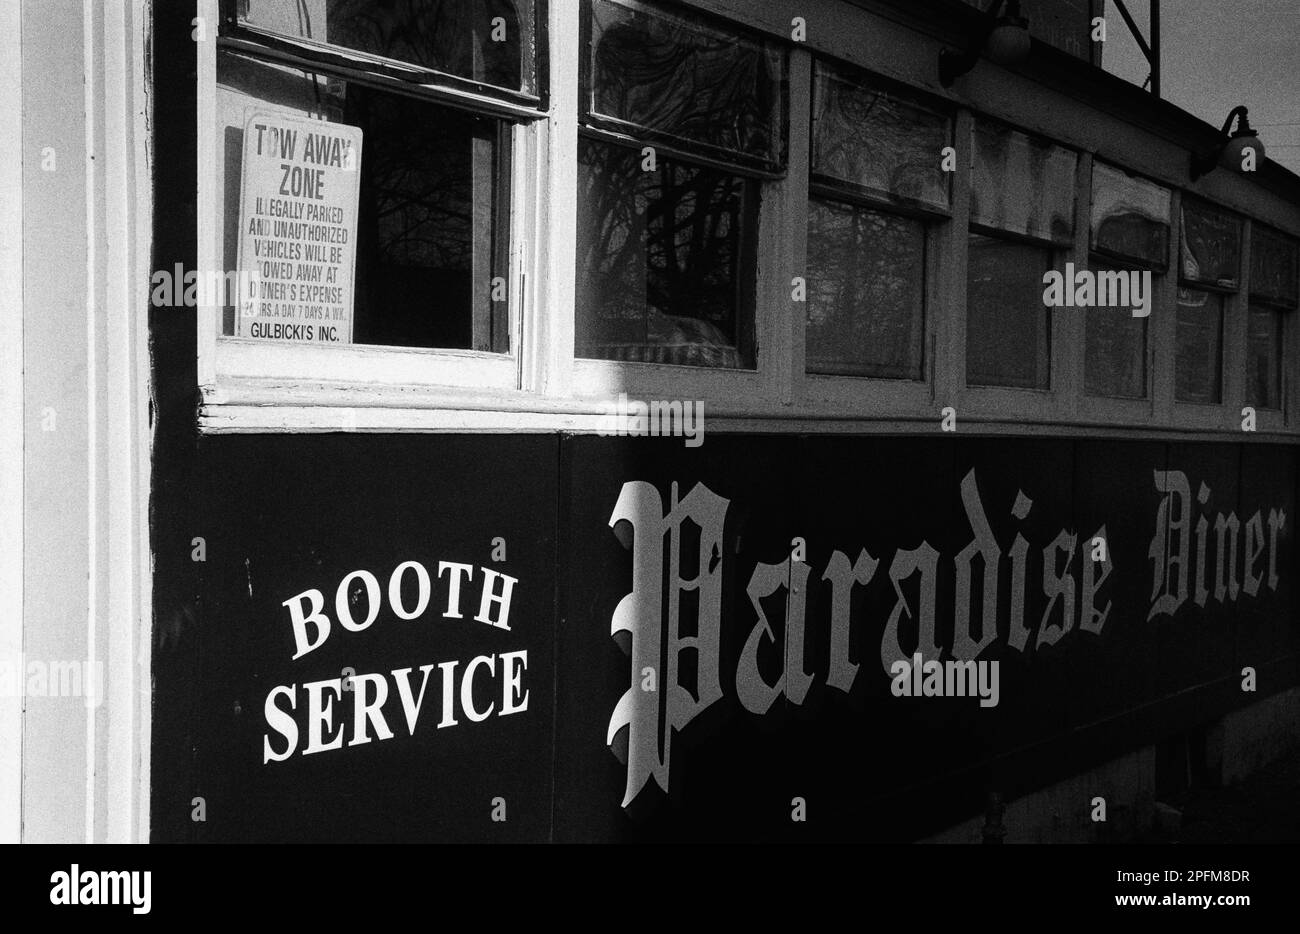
x=788, y=358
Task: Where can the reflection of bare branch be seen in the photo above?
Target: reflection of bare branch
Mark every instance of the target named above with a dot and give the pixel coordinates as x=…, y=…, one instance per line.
x=685, y=80
x=655, y=244
x=451, y=36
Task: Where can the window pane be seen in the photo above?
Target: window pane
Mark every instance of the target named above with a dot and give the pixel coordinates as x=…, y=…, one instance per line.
x=1264, y=359
x=1211, y=245
x=1022, y=185
x=1273, y=267
x=428, y=245
x=869, y=139
x=1007, y=341
x=489, y=41
x=1115, y=353
x=686, y=80
x=1130, y=216
x=665, y=262
x=866, y=282
x=1198, y=371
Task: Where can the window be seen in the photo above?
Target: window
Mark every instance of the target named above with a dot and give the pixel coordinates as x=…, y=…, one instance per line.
x=866, y=292
x=1022, y=185
x=681, y=121
x=1209, y=267
x=1115, y=353
x=873, y=157
x=1130, y=218
x=665, y=259
x=430, y=237
x=1198, y=369
x=1022, y=206
x=1274, y=291
x=367, y=196
x=1129, y=232
x=1211, y=246
x=1007, y=337
x=488, y=46
x=1264, y=358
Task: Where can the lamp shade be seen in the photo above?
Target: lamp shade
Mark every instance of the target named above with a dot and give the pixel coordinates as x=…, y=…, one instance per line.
x=1237, y=145
x=1008, y=43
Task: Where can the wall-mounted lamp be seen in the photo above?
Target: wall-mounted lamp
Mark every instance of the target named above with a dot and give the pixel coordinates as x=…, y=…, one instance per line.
x=1003, y=39
x=1231, y=147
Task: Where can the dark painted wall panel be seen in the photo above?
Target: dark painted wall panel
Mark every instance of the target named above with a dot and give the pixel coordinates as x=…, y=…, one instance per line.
x=287, y=515
x=769, y=710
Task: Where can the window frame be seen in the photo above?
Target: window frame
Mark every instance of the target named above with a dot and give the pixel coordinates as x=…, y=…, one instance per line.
x=241, y=372
x=1112, y=409
x=874, y=397
x=1284, y=416
x=1225, y=414
x=541, y=385
x=1055, y=404
x=593, y=380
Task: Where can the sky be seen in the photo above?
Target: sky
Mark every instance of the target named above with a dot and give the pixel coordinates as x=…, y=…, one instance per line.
x=1217, y=54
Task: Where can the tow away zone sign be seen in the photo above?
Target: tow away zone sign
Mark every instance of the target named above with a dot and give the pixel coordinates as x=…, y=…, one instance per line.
x=297, y=229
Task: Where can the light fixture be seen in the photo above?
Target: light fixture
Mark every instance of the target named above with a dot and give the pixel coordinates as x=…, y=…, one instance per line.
x=1231, y=146
x=1003, y=39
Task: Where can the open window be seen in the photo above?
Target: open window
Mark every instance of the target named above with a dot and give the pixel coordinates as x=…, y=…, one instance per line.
x=363, y=179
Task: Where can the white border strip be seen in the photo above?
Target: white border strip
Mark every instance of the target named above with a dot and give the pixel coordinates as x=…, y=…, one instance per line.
x=11, y=408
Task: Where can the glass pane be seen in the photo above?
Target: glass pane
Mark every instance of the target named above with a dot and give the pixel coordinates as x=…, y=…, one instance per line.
x=1273, y=267
x=872, y=140
x=688, y=81
x=1211, y=245
x=1264, y=359
x=1022, y=185
x=665, y=263
x=1115, y=353
x=1007, y=342
x=866, y=286
x=427, y=243
x=1198, y=370
x=1130, y=216
x=490, y=41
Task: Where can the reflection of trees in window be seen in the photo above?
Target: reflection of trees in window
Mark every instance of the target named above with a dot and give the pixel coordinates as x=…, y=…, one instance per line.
x=451, y=36
x=1130, y=216
x=865, y=292
x=1211, y=245
x=1198, y=365
x=868, y=138
x=685, y=80
x=1007, y=342
x=1264, y=358
x=1273, y=268
x=661, y=259
x=1022, y=184
x=1115, y=345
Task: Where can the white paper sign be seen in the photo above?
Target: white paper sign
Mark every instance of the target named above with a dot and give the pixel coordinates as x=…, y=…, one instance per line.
x=298, y=229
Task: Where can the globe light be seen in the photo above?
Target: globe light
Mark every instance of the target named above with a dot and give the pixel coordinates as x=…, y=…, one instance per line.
x=1004, y=41
x=1231, y=151
x=1008, y=43
x=1236, y=147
